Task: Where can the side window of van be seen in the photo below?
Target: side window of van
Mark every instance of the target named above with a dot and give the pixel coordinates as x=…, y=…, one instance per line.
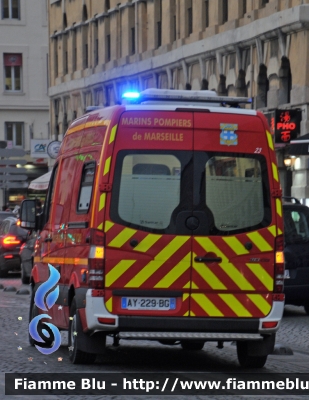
x=50, y=194
x=86, y=186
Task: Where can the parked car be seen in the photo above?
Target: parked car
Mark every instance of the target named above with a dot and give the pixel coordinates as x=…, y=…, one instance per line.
x=26, y=257
x=5, y=214
x=296, y=252
x=12, y=236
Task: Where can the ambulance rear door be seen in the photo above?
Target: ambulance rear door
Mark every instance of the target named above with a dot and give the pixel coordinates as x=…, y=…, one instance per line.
x=233, y=257
x=148, y=246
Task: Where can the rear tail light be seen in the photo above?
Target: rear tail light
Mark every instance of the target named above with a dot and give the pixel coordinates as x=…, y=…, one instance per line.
x=96, y=259
x=279, y=265
x=10, y=240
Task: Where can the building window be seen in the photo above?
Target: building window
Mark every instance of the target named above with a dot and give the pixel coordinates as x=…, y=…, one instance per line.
x=206, y=13
x=86, y=61
x=10, y=9
x=14, y=132
x=12, y=72
x=96, y=52
x=108, y=47
x=159, y=23
x=244, y=7
x=224, y=11
x=190, y=21
x=132, y=40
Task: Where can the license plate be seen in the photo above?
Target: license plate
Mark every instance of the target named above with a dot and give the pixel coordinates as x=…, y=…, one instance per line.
x=286, y=274
x=148, y=303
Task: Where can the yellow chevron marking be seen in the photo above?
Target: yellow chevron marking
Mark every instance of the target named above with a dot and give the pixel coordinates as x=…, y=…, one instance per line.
x=273, y=230
x=109, y=304
x=279, y=207
x=279, y=231
x=227, y=267
x=270, y=140
x=108, y=225
x=186, y=314
x=236, y=245
x=100, y=226
x=208, y=276
x=102, y=201
x=123, y=237
x=187, y=285
x=235, y=305
x=262, y=275
x=175, y=273
x=259, y=241
x=206, y=305
x=107, y=165
x=209, y=246
x=147, y=242
x=113, y=134
x=194, y=285
x=260, y=303
x=159, y=259
x=236, y=276
x=185, y=296
x=275, y=172
x=117, y=271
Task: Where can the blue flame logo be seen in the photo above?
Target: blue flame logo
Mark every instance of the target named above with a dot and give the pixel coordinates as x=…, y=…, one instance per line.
x=47, y=338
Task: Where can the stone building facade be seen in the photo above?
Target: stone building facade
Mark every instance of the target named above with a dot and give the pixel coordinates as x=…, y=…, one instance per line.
x=257, y=48
x=24, y=101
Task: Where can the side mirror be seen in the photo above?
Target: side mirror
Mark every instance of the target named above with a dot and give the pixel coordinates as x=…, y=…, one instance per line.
x=28, y=214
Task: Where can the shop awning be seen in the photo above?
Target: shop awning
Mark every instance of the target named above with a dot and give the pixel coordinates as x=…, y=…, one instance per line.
x=41, y=183
x=299, y=146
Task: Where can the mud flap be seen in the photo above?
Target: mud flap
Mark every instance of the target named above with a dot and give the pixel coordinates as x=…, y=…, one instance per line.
x=262, y=347
x=95, y=343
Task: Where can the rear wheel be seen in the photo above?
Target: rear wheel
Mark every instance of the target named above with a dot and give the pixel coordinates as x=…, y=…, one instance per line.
x=76, y=355
x=3, y=273
x=249, y=361
x=24, y=278
x=192, y=345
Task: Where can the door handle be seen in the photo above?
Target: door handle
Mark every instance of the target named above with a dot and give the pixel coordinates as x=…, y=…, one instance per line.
x=207, y=259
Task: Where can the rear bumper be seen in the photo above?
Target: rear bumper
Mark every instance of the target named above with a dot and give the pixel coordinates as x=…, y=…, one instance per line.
x=171, y=327
x=10, y=264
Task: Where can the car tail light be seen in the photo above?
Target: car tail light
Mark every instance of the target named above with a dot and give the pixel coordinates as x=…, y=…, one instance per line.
x=10, y=240
x=279, y=265
x=96, y=259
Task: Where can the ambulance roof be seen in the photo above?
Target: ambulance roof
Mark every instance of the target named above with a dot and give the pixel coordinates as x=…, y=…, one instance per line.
x=170, y=100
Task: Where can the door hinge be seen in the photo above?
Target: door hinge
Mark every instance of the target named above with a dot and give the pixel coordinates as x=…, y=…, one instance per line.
x=276, y=193
x=105, y=187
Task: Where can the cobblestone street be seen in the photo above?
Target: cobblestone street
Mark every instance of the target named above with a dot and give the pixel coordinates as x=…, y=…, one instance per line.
x=131, y=356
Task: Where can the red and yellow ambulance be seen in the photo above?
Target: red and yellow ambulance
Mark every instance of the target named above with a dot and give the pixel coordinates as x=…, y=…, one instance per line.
x=164, y=218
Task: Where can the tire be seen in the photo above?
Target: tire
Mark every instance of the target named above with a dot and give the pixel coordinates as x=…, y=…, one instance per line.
x=76, y=355
x=3, y=273
x=192, y=345
x=306, y=307
x=247, y=361
x=24, y=279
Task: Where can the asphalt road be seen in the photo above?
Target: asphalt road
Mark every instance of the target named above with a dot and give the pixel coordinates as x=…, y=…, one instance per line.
x=291, y=354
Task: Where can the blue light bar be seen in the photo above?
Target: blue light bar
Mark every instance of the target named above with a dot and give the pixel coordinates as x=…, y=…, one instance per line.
x=131, y=95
